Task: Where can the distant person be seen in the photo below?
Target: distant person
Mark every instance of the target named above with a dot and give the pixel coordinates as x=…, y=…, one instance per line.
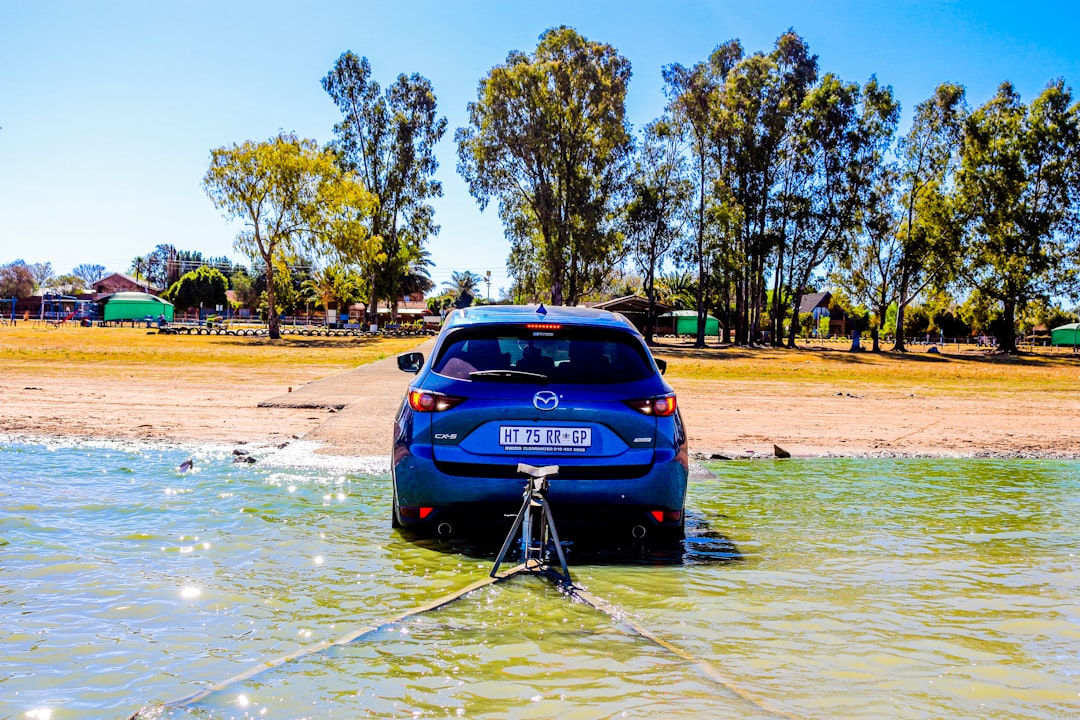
x=161, y=321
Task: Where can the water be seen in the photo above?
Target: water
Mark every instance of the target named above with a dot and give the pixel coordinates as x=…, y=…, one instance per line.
x=815, y=589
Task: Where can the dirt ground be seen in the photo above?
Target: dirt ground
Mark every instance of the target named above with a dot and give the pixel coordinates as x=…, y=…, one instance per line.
x=351, y=414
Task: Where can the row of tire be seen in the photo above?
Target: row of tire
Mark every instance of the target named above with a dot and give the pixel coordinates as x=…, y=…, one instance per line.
x=311, y=332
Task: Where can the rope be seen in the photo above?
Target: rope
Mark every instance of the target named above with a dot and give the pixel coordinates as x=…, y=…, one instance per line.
x=708, y=670
x=568, y=587
x=325, y=645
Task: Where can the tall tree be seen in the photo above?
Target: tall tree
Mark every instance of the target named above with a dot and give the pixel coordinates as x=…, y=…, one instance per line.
x=693, y=96
x=138, y=268
x=1019, y=185
x=756, y=139
x=89, y=273
x=548, y=137
x=928, y=157
x=42, y=272
x=388, y=139
x=16, y=280
x=161, y=266
x=845, y=133
x=656, y=216
x=870, y=272
x=291, y=196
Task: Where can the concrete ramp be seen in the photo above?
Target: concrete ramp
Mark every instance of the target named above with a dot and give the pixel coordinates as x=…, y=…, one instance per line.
x=363, y=401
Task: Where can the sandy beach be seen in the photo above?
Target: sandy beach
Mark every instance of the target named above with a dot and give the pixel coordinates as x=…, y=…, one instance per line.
x=350, y=413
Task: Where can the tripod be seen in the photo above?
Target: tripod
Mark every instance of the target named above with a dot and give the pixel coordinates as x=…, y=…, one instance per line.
x=536, y=546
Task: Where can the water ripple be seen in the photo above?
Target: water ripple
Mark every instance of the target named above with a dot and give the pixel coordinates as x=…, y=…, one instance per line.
x=832, y=588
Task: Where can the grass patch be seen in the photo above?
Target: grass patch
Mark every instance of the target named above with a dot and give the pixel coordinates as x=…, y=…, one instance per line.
x=136, y=352
x=97, y=351
x=956, y=373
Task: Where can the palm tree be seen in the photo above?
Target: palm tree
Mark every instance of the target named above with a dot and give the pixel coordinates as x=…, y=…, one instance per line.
x=465, y=283
x=417, y=279
x=333, y=284
x=138, y=268
x=678, y=290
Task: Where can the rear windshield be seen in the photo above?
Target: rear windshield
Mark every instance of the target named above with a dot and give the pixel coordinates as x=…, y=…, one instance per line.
x=568, y=355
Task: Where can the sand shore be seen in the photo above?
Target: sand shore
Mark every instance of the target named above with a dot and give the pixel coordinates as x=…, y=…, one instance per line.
x=351, y=413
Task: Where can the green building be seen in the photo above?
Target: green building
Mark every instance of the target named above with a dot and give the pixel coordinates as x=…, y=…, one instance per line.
x=1068, y=335
x=684, y=322
x=135, y=306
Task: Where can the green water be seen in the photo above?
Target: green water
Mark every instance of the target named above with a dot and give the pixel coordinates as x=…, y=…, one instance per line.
x=815, y=589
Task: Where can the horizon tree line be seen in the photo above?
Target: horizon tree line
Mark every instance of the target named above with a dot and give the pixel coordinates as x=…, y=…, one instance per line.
x=765, y=177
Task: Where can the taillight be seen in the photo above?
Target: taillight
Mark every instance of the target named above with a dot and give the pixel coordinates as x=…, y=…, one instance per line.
x=666, y=516
x=415, y=512
x=660, y=406
x=426, y=402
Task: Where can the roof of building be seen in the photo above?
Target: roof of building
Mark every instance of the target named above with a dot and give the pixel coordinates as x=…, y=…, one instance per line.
x=631, y=304
x=128, y=278
x=815, y=300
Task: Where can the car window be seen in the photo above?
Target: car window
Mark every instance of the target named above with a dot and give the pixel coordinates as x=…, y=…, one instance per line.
x=568, y=355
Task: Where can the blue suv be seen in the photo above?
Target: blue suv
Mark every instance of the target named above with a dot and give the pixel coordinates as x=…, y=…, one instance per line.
x=572, y=387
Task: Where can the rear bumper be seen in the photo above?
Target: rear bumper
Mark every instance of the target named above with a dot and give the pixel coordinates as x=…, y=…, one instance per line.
x=470, y=501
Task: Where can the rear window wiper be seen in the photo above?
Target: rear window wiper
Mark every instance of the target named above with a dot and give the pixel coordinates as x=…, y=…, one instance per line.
x=508, y=376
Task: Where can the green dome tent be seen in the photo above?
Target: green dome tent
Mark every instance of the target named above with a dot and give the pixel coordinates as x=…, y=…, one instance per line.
x=1066, y=335
x=135, y=306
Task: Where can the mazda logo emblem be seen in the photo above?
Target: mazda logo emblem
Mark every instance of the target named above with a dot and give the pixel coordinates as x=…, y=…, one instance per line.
x=545, y=400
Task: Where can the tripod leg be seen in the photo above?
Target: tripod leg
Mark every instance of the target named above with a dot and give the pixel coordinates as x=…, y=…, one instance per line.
x=550, y=521
x=510, y=536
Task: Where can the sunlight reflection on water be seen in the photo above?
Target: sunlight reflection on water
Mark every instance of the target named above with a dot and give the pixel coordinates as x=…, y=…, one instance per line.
x=855, y=588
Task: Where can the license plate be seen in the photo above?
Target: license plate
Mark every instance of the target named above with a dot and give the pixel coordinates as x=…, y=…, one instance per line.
x=534, y=438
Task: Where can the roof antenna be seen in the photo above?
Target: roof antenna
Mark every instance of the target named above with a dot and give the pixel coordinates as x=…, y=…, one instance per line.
x=541, y=310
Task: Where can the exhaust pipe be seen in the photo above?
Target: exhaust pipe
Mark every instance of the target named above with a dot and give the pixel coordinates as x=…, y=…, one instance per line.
x=444, y=529
x=638, y=531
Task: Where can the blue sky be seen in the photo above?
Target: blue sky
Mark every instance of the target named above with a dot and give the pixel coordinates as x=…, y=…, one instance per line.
x=109, y=110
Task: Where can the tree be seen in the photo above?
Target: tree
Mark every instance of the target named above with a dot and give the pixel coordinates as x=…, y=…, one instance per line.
x=464, y=286
x=42, y=272
x=389, y=140
x=925, y=234
x=1018, y=184
x=871, y=270
x=291, y=196
x=656, y=215
x=334, y=284
x=839, y=153
x=417, y=279
x=204, y=287
x=90, y=274
x=244, y=289
x=70, y=284
x=162, y=269
x=677, y=289
x=692, y=99
x=138, y=268
x=758, y=140
x=548, y=137
x=16, y=280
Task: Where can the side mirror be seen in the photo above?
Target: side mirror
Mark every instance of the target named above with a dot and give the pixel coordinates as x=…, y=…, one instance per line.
x=662, y=364
x=410, y=362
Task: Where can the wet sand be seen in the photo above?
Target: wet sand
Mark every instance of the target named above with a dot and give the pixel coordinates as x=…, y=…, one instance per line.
x=351, y=414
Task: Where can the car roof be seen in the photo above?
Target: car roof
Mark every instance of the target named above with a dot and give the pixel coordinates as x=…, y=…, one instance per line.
x=517, y=314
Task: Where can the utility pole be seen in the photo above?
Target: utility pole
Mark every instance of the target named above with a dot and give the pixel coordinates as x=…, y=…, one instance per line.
x=487, y=279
